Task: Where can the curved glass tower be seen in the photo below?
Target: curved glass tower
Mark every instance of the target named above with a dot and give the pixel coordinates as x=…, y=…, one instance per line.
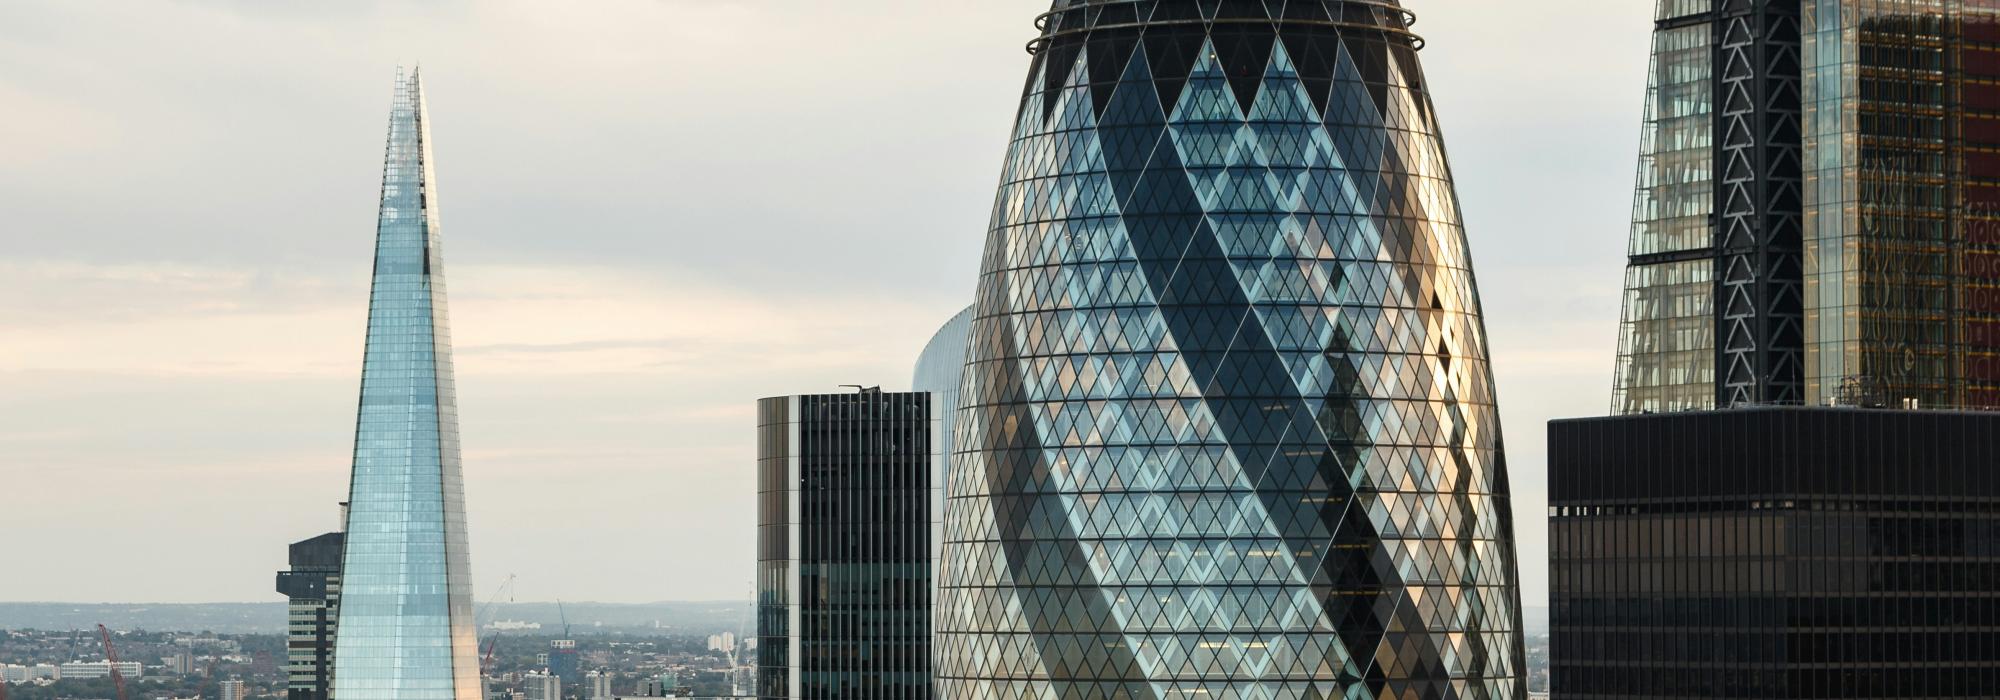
x=1228, y=428
x=406, y=629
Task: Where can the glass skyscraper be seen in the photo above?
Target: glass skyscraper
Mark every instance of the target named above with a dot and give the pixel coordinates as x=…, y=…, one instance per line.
x=1228, y=427
x=1818, y=200
x=406, y=630
x=844, y=552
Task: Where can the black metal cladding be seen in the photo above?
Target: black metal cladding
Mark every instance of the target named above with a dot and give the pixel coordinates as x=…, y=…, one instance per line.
x=1760, y=268
x=862, y=568
x=1776, y=553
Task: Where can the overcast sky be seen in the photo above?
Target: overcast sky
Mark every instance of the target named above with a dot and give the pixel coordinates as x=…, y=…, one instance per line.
x=655, y=212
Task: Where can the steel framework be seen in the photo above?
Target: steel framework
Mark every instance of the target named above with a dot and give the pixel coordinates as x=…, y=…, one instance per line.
x=1760, y=300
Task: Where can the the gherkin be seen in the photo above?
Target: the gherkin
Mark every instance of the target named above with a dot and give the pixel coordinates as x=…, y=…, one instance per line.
x=1228, y=427
x=406, y=629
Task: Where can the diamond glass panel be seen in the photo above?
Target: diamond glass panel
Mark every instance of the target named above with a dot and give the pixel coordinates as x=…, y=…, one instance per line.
x=1227, y=428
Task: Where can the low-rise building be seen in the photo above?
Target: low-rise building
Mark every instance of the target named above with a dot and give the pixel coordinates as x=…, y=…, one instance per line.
x=101, y=669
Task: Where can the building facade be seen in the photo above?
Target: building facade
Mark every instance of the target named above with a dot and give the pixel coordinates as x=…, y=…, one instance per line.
x=99, y=669
x=542, y=686
x=313, y=586
x=1816, y=225
x=1776, y=553
x=564, y=663
x=406, y=629
x=845, y=492
x=231, y=689
x=1229, y=427
x=598, y=685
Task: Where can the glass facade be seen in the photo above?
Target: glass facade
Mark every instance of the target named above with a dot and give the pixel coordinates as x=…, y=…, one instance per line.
x=1902, y=115
x=1666, y=342
x=406, y=630
x=1775, y=553
x=844, y=547
x=1227, y=428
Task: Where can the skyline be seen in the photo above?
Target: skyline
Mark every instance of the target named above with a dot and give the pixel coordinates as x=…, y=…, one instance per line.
x=526, y=335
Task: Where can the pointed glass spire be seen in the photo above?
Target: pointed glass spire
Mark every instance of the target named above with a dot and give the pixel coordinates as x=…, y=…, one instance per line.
x=405, y=627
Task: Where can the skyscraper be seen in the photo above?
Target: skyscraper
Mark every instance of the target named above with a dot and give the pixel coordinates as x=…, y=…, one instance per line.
x=940, y=371
x=843, y=546
x=1816, y=217
x=1812, y=243
x=313, y=586
x=1228, y=428
x=406, y=630
x=940, y=368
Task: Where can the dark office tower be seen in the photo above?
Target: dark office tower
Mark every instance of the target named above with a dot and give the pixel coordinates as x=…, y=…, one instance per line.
x=406, y=606
x=313, y=585
x=1776, y=553
x=844, y=546
x=1228, y=426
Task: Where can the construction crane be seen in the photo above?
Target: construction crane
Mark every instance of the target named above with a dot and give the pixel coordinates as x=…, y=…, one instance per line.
x=111, y=655
x=564, y=616
x=485, y=615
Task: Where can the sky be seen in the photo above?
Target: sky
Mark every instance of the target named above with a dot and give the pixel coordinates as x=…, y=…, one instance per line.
x=654, y=213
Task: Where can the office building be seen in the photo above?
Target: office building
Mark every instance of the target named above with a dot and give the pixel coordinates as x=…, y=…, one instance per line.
x=1817, y=218
x=1228, y=426
x=75, y=670
x=179, y=663
x=231, y=689
x=563, y=663
x=843, y=546
x=13, y=673
x=1776, y=552
x=405, y=630
x=940, y=368
x=542, y=686
x=1812, y=243
x=313, y=586
x=597, y=685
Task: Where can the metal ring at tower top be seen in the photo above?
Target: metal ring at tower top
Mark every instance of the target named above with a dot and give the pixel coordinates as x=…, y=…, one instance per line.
x=1409, y=19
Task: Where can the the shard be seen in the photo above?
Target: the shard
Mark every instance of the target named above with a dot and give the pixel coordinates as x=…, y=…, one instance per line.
x=1228, y=428
x=406, y=628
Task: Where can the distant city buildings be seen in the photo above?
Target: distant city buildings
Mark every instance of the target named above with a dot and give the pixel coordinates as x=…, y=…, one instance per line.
x=313, y=586
x=542, y=686
x=179, y=663
x=724, y=642
x=231, y=689
x=597, y=685
x=99, y=669
x=665, y=685
x=563, y=662
x=844, y=553
x=22, y=673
